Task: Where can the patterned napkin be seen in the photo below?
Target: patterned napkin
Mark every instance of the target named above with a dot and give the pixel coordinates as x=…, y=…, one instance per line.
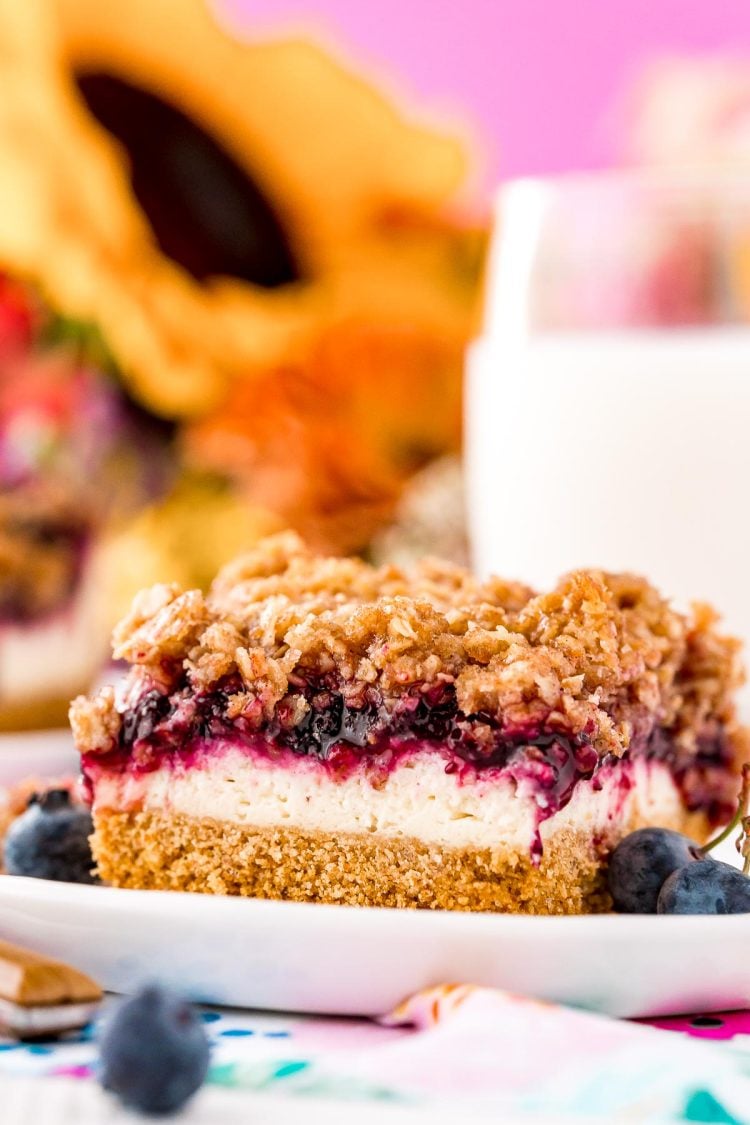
x=472, y=1048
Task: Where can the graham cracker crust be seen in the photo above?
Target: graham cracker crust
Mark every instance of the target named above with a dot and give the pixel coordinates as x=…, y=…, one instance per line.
x=154, y=851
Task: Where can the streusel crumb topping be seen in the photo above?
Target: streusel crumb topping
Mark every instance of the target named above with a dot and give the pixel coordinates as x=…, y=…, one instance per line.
x=602, y=655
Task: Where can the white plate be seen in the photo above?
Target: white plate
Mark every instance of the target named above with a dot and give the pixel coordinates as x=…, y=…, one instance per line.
x=356, y=961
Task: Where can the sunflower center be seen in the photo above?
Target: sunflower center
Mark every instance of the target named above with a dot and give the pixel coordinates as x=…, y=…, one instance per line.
x=206, y=212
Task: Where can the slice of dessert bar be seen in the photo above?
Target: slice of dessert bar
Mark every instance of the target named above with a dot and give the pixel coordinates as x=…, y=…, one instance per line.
x=75, y=457
x=322, y=730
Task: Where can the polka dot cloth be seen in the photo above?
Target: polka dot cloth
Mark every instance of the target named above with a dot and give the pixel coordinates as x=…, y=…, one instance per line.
x=464, y=1046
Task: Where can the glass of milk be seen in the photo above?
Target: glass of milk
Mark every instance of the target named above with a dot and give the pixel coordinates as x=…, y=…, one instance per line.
x=608, y=399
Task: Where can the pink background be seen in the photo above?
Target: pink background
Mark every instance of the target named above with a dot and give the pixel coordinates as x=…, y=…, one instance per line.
x=541, y=78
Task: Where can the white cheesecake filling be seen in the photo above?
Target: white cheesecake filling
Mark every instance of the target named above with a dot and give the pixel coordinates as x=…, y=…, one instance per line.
x=417, y=798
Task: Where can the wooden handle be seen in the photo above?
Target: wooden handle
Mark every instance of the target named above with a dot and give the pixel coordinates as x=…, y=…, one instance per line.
x=33, y=980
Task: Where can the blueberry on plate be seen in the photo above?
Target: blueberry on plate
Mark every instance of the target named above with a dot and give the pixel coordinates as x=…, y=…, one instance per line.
x=153, y=1051
x=50, y=840
x=705, y=887
x=640, y=864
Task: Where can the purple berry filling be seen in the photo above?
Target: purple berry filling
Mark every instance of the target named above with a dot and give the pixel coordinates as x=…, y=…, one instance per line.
x=341, y=735
x=706, y=779
x=171, y=729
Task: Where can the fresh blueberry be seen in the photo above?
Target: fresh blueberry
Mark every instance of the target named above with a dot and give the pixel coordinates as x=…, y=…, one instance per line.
x=706, y=887
x=154, y=1051
x=50, y=840
x=641, y=862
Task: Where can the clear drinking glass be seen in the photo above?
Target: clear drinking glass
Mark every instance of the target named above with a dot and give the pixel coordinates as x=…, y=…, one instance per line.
x=608, y=399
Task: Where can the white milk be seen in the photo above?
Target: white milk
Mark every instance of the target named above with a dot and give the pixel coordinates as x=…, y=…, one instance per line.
x=624, y=450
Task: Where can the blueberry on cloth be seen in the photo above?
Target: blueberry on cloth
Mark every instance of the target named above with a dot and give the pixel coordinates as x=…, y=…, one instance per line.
x=641, y=862
x=50, y=840
x=153, y=1051
x=705, y=887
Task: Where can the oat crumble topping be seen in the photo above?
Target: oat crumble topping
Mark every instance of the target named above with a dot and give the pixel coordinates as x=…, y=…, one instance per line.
x=602, y=654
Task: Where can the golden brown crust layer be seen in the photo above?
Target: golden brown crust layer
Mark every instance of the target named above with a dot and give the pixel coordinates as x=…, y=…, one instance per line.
x=156, y=851
x=601, y=654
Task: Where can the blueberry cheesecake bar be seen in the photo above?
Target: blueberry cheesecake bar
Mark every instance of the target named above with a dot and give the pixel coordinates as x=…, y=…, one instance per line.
x=74, y=455
x=319, y=729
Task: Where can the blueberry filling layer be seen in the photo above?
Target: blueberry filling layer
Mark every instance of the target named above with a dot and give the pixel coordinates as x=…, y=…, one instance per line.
x=162, y=729
x=334, y=731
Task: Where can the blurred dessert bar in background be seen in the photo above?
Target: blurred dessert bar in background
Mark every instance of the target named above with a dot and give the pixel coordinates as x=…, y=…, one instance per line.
x=74, y=456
